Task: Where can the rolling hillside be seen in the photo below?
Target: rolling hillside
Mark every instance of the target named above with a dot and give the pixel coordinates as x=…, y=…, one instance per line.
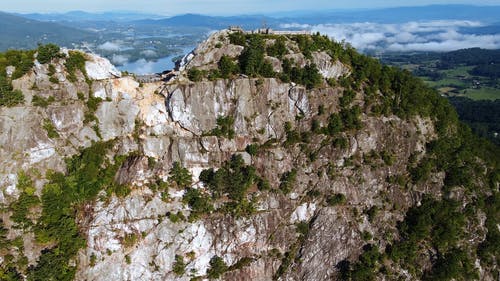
x=18, y=32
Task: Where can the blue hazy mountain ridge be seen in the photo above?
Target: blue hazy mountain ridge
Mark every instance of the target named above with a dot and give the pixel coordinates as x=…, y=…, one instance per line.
x=117, y=16
x=485, y=14
x=19, y=32
x=216, y=22
x=125, y=36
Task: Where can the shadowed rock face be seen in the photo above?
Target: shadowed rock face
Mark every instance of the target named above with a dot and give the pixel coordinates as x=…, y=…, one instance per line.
x=163, y=124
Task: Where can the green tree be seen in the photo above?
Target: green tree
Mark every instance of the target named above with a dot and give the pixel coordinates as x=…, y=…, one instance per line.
x=197, y=201
x=75, y=61
x=195, y=75
x=47, y=52
x=278, y=49
x=227, y=67
x=233, y=178
x=251, y=59
x=179, y=267
x=11, y=98
x=180, y=176
x=217, y=267
x=334, y=124
x=224, y=127
x=288, y=180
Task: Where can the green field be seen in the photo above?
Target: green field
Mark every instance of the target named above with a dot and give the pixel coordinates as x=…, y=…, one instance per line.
x=447, y=82
x=485, y=93
x=458, y=81
x=452, y=73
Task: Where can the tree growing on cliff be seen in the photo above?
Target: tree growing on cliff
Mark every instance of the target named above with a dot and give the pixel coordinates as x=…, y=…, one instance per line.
x=227, y=67
x=47, y=52
x=180, y=176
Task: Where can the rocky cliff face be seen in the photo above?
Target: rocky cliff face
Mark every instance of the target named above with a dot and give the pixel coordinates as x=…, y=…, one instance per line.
x=327, y=194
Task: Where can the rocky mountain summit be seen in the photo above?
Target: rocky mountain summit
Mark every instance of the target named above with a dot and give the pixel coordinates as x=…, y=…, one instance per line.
x=267, y=157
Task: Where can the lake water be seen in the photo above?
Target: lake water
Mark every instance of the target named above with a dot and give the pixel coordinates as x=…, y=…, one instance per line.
x=142, y=66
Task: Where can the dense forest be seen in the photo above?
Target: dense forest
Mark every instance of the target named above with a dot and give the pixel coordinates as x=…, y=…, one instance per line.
x=482, y=116
x=472, y=56
x=468, y=77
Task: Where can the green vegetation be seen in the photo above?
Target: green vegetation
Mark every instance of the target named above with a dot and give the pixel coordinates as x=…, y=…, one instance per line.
x=27, y=200
x=302, y=228
x=483, y=93
x=50, y=129
x=179, y=267
x=75, y=61
x=199, y=203
x=334, y=125
x=129, y=240
x=175, y=218
x=11, y=98
x=8, y=96
x=472, y=73
x=41, y=101
x=195, y=75
x=251, y=60
x=54, y=80
x=252, y=149
x=23, y=61
x=92, y=105
x=364, y=268
x=351, y=118
x=335, y=199
x=237, y=38
x=227, y=67
x=180, y=176
x=224, y=127
x=217, y=267
x=46, y=53
x=488, y=250
x=442, y=224
x=52, y=70
x=62, y=198
x=232, y=179
x=387, y=157
x=287, y=181
x=278, y=49
x=308, y=75
x=292, y=136
x=231, y=183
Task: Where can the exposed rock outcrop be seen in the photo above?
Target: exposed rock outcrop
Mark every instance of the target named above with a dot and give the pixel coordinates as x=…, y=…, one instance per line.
x=138, y=236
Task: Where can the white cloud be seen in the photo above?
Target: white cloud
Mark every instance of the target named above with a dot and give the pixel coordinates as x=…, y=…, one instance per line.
x=148, y=53
x=143, y=67
x=110, y=46
x=119, y=59
x=440, y=35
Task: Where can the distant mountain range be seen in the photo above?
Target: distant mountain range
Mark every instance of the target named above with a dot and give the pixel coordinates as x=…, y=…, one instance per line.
x=485, y=14
x=26, y=30
x=216, y=22
x=19, y=32
x=86, y=16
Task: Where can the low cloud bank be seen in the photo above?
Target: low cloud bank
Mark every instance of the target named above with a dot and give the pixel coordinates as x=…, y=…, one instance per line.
x=119, y=59
x=143, y=66
x=110, y=46
x=442, y=35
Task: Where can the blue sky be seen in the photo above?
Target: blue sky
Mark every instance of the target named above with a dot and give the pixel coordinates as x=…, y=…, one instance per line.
x=213, y=7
